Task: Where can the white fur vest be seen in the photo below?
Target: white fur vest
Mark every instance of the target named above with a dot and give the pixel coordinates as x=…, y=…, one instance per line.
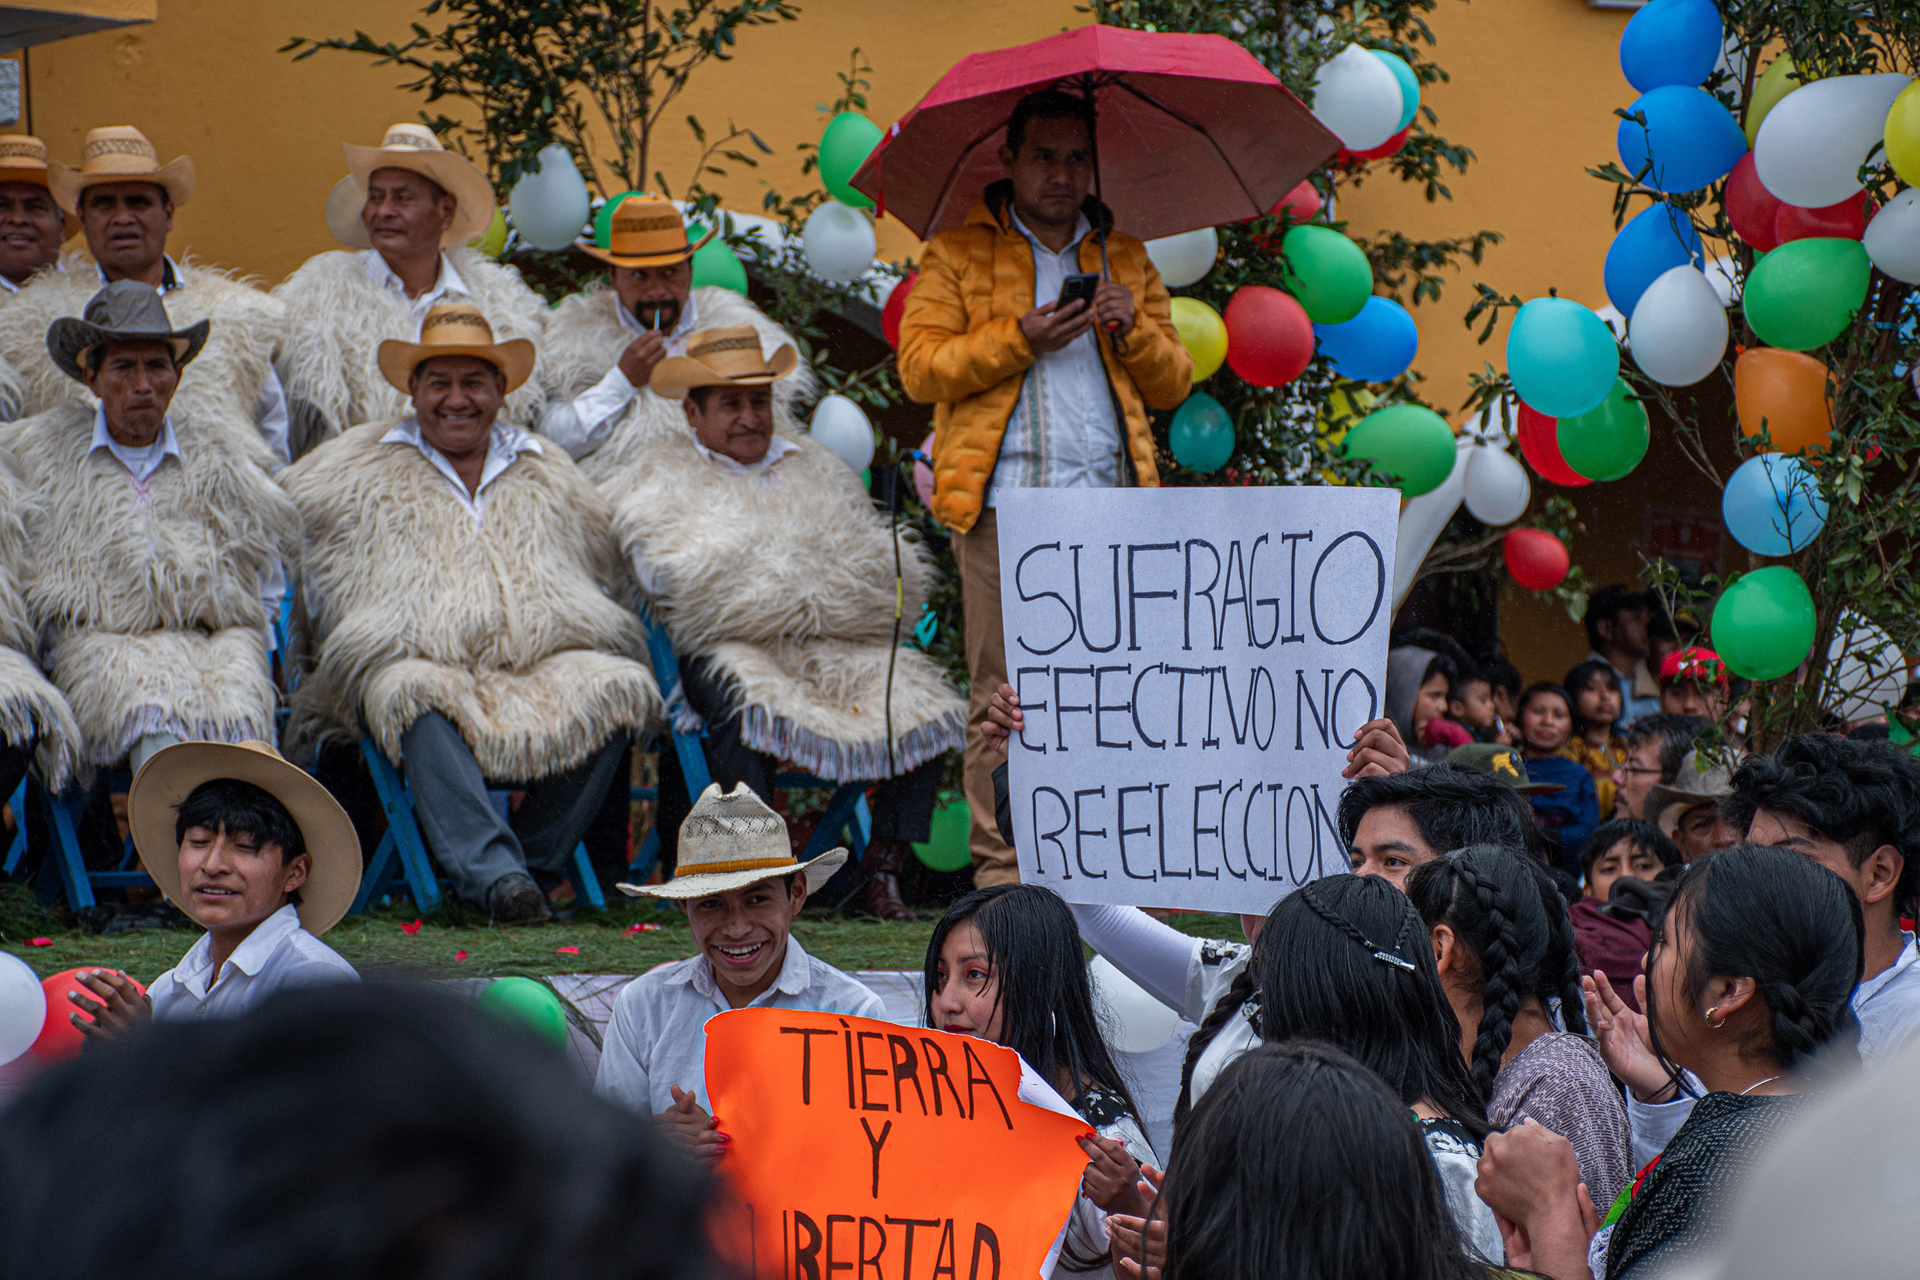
x=32, y=712
x=149, y=594
x=584, y=339
x=337, y=318
x=514, y=631
x=789, y=589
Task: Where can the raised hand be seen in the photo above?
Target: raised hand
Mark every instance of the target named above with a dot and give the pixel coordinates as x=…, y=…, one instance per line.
x=1622, y=1038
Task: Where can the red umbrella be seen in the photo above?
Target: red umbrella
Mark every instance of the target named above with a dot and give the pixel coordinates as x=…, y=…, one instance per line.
x=1193, y=131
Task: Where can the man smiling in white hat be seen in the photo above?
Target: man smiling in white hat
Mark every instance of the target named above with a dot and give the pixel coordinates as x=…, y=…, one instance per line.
x=32, y=227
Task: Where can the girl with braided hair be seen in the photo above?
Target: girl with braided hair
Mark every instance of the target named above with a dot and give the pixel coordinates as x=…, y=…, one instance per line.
x=1504, y=949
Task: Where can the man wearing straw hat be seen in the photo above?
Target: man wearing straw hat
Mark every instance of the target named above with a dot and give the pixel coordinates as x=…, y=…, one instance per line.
x=258, y=854
x=462, y=600
x=410, y=207
x=783, y=590
x=125, y=199
x=32, y=226
x=741, y=889
x=602, y=346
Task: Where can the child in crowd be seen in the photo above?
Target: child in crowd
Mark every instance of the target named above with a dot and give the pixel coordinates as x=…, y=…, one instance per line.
x=1505, y=680
x=1418, y=683
x=1597, y=703
x=1470, y=702
x=1613, y=935
x=1546, y=726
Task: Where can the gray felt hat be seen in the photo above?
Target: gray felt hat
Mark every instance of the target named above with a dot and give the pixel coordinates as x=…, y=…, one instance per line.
x=126, y=311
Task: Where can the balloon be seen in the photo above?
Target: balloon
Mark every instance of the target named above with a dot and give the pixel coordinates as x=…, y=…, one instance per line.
x=1133, y=1021
x=1670, y=42
x=1678, y=333
x=1181, y=260
x=1805, y=294
x=1763, y=624
x=550, y=204
x=923, y=474
x=837, y=242
x=1892, y=240
x=1688, y=140
x=1844, y=221
x=841, y=425
x=1773, y=84
x=1378, y=345
x=1902, y=134
x=492, y=242
x=1539, y=438
x=1537, y=560
x=1388, y=148
x=1409, y=442
x=1496, y=490
x=1654, y=241
x=1865, y=670
x=59, y=1038
x=1201, y=434
x=531, y=1006
x=1607, y=442
x=1561, y=357
x=23, y=1007
x=1203, y=333
x=603, y=216
x=1358, y=98
x=945, y=848
x=1327, y=272
x=1753, y=210
x=1269, y=338
x=1786, y=393
x=896, y=306
x=845, y=144
x=717, y=265
x=1772, y=505
x=1301, y=203
x=1409, y=85
x=1810, y=148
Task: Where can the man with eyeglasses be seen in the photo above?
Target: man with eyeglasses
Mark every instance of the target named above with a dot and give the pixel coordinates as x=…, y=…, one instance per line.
x=1655, y=746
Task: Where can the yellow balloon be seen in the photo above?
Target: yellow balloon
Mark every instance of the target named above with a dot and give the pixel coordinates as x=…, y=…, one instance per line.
x=1903, y=134
x=1204, y=333
x=493, y=241
x=1346, y=405
x=1776, y=82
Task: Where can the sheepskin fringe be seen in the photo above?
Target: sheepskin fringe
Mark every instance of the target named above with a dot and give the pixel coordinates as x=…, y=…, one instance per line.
x=17, y=503
x=851, y=762
x=212, y=688
x=337, y=318
x=32, y=712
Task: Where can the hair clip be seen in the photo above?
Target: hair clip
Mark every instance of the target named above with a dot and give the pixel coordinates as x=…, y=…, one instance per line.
x=1387, y=957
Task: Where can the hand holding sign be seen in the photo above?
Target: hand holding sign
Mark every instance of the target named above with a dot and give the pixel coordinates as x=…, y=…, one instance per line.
x=687, y=1125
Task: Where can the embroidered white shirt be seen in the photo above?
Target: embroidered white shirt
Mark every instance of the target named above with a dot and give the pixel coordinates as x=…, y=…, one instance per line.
x=582, y=424
x=505, y=443
x=277, y=955
x=448, y=283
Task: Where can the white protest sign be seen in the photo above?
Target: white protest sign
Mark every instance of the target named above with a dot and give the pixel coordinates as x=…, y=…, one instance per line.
x=1192, y=665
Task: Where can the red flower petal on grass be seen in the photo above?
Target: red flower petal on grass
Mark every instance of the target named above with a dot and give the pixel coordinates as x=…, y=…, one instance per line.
x=642, y=928
x=40, y=942
x=410, y=928
x=460, y=955
x=566, y=951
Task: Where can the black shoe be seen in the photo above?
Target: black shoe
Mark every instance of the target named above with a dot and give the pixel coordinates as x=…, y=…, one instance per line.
x=515, y=899
x=880, y=896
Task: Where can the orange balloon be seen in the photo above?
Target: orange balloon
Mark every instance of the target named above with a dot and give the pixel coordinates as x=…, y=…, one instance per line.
x=1786, y=393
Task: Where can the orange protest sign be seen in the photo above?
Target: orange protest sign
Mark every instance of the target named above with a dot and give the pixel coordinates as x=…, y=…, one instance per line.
x=865, y=1150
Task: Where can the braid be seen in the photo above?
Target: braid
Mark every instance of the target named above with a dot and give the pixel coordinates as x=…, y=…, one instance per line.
x=1796, y=1029
x=1231, y=1001
x=1500, y=958
x=1562, y=962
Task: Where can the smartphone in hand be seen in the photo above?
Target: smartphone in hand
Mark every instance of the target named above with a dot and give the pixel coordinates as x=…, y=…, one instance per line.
x=1077, y=288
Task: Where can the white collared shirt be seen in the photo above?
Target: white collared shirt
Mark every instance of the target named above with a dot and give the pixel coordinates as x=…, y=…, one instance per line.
x=582, y=424
x=505, y=443
x=657, y=1037
x=653, y=580
x=277, y=955
x=140, y=463
x=8, y=285
x=446, y=284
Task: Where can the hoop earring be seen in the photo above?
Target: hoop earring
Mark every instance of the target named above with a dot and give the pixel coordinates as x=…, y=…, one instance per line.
x=1709, y=1017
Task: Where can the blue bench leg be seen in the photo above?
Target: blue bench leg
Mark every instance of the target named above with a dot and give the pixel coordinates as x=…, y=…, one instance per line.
x=18, y=849
x=586, y=884
x=408, y=843
x=72, y=867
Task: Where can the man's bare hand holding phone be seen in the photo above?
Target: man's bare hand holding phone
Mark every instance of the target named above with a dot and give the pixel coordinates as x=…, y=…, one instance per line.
x=1051, y=327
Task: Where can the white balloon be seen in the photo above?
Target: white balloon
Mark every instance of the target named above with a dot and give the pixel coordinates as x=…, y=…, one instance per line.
x=838, y=242
x=1422, y=519
x=550, y=206
x=839, y=424
x=1679, y=329
x=1183, y=259
x=1496, y=489
x=1893, y=237
x=23, y=1007
x=1134, y=1021
x=1811, y=145
x=1865, y=672
x=1358, y=98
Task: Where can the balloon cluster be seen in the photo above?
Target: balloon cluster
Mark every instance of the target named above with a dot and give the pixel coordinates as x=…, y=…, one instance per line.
x=36, y=1014
x=837, y=239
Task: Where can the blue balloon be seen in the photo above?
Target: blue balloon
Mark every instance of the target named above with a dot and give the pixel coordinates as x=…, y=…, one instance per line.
x=1653, y=242
x=1690, y=138
x=1562, y=358
x=1409, y=85
x=1201, y=434
x=1671, y=42
x=1377, y=345
x=1772, y=505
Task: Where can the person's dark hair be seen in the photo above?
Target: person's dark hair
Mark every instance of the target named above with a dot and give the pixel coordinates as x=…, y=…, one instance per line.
x=1046, y=104
x=1645, y=836
x=1783, y=920
x=1508, y=913
x=1301, y=1162
x=1576, y=683
x=1457, y=685
x=1449, y=660
x=1676, y=734
x=701, y=395
x=1502, y=674
x=242, y=811
x=351, y=1131
x=1606, y=605
x=1450, y=806
x=1542, y=688
x=1860, y=795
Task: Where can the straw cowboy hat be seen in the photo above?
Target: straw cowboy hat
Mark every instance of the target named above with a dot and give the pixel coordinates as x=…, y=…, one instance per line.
x=730, y=841
x=23, y=158
x=456, y=329
x=414, y=148
x=126, y=311
x=728, y=356
x=170, y=776
x=1691, y=788
x=642, y=231
x=118, y=153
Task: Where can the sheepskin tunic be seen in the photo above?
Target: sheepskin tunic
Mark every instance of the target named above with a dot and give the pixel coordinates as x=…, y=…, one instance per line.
x=788, y=588
x=513, y=630
x=32, y=712
x=584, y=339
x=148, y=594
x=337, y=318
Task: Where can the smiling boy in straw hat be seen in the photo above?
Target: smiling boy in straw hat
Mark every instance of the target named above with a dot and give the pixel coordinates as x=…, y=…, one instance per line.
x=741, y=888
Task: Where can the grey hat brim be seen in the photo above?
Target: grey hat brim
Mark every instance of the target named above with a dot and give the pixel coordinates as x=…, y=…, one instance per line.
x=682, y=888
x=70, y=337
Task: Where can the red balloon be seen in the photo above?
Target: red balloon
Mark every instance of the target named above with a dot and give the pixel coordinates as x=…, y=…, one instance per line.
x=59, y=1038
x=895, y=307
x=1844, y=221
x=1751, y=207
x=1536, y=559
x=1540, y=446
x=1269, y=338
x=1390, y=147
x=1300, y=204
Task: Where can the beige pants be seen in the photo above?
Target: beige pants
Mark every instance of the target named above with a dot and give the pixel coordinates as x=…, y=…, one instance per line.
x=977, y=554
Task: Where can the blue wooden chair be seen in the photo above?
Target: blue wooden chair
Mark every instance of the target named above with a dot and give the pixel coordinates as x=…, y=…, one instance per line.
x=75, y=881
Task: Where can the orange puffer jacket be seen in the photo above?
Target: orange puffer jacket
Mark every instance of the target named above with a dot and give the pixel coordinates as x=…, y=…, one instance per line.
x=961, y=350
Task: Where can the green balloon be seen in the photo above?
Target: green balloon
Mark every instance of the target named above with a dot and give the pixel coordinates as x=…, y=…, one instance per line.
x=1201, y=434
x=1408, y=441
x=1327, y=273
x=603, y=218
x=1763, y=624
x=1608, y=442
x=946, y=847
x=849, y=139
x=1805, y=293
x=529, y=1005
x=716, y=264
